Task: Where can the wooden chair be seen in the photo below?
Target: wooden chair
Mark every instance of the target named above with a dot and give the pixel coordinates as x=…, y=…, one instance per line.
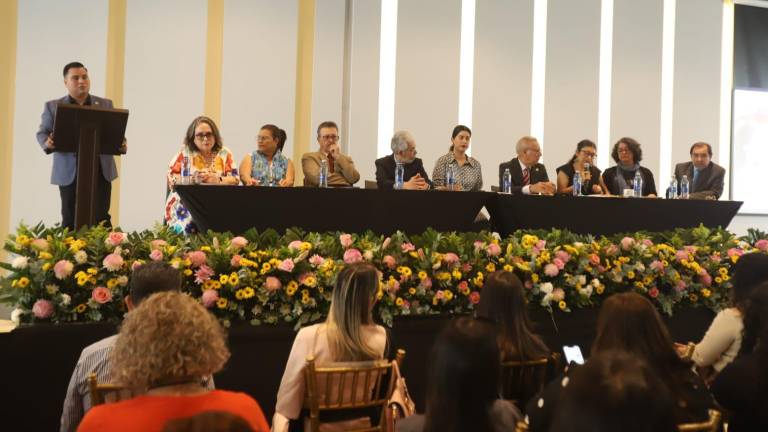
x=370, y=184
x=521, y=380
x=711, y=425
x=350, y=391
x=521, y=426
x=106, y=393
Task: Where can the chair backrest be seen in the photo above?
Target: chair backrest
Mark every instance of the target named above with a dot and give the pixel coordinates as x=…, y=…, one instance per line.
x=352, y=387
x=370, y=184
x=106, y=393
x=711, y=425
x=521, y=426
x=521, y=380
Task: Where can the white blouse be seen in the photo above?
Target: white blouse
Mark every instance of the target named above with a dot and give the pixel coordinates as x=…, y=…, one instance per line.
x=722, y=342
x=290, y=396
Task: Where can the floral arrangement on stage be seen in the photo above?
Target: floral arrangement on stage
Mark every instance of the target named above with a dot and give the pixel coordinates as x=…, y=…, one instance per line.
x=59, y=276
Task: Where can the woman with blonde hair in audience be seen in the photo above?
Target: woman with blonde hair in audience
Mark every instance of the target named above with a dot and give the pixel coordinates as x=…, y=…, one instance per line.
x=165, y=348
x=348, y=334
x=267, y=166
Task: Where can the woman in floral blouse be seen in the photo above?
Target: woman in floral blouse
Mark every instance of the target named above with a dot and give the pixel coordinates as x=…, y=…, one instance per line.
x=210, y=163
x=469, y=176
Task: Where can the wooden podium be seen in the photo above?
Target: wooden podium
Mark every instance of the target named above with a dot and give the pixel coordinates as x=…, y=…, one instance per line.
x=89, y=132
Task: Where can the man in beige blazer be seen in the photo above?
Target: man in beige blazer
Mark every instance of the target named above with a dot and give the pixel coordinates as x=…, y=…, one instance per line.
x=341, y=168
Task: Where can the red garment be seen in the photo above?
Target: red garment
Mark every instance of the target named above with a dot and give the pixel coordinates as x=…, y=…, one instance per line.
x=150, y=413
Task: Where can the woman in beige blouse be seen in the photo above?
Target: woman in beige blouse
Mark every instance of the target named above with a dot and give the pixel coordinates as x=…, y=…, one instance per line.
x=348, y=334
x=469, y=174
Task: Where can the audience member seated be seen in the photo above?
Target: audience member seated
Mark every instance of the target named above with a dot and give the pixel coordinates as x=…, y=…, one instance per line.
x=463, y=383
x=403, y=151
x=209, y=421
x=628, y=322
x=267, y=166
x=627, y=154
x=468, y=174
x=704, y=176
x=722, y=341
x=347, y=335
x=582, y=162
x=503, y=302
x=146, y=280
x=210, y=163
x=614, y=391
x=341, y=168
x=528, y=175
x=165, y=348
x=742, y=387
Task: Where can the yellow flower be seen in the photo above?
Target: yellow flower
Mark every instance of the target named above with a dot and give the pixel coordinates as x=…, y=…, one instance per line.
x=507, y=268
x=44, y=255
x=631, y=275
x=422, y=275
x=233, y=279
x=239, y=294
x=412, y=291
x=434, y=301
x=92, y=279
x=310, y=281
x=600, y=289
x=534, y=277
x=734, y=258
x=248, y=292
x=266, y=267
x=305, y=293
x=413, y=254
x=379, y=294
x=726, y=278
x=46, y=267
x=187, y=272
x=208, y=284
x=639, y=284
x=448, y=295
x=112, y=283
x=693, y=297
x=665, y=262
x=304, y=299
x=490, y=268
x=399, y=301
x=405, y=271
x=456, y=273
x=718, y=280
x=291, y=288
x=502, y=260
x=305, y=246
x=81, y=308
x=23, y=282
x=93, y=271
x=216, y=285
x=205, y=248
x=224, y=279
x=706, y=293
x=722, y=271
x=221, y=303
x=23, y=240
x=562, y=305
x=444, y=276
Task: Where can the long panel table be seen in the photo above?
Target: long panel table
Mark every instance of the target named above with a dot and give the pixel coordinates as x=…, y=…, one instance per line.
x=238, y=208
x=37, y=361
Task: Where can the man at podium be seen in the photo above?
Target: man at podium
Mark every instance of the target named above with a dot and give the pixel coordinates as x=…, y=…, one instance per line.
x=78, y=85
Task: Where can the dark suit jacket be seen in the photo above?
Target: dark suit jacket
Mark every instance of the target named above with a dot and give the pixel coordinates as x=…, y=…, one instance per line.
x=65, y=164
x=537, y=173
x=709, y=184
x=385, y=171
x=609, y=178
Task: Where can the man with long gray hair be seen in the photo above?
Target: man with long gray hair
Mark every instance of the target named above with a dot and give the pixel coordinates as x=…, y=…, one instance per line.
x=404, y=152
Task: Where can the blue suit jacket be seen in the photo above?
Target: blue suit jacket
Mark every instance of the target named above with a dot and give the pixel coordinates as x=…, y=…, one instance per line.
x=65, y=164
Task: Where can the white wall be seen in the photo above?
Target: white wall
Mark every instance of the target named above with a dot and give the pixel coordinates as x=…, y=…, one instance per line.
x=46, y=42
x=328, y=71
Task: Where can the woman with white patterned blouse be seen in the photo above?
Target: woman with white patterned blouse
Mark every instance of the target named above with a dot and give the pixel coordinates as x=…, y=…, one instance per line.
x=468, y=174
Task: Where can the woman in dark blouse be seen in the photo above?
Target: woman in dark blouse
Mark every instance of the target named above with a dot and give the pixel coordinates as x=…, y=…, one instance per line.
x=583, y=162
x=627, y=154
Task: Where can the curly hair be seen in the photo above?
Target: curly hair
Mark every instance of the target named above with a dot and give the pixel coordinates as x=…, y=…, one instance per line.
x=168, y=339
x=632, y=145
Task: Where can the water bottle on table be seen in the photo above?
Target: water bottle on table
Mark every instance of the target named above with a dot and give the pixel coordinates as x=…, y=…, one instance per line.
x=450, y=177
x=638, y=184
x=399, y=173
x=577, y=184
x=506, y=187
x=186, y=168
x=672, y=190
x=323, y=180
x=685, y=188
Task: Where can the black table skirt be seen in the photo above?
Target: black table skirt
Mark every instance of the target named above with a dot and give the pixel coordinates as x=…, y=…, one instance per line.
x=37, y=361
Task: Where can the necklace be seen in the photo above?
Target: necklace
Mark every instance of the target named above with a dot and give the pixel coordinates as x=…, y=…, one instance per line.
x=209, y=161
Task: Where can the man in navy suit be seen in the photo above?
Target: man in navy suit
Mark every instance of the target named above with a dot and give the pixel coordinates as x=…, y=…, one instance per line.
x=404, y=151
x=706, y=177
x=528, y=175
x=78, y=85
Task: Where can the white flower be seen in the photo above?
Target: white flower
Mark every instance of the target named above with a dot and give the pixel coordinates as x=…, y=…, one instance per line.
x=20, y=262
x=122, y=280
x=546, y=300
x=81, y=257
x=595, y=282
x=578, y=245
x=16, y=315
x=546, y=288
x=639, y=267
x=52, y=288
x=368, y=255
x=65, y=299
x=587, y=291
x=582, y=280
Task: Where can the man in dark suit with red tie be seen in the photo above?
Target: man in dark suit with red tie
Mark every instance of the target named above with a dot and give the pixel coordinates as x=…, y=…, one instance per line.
x=706, y=177
x=528, y=175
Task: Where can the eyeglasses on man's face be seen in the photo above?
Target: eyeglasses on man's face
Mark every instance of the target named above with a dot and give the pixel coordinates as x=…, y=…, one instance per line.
x=333, y=138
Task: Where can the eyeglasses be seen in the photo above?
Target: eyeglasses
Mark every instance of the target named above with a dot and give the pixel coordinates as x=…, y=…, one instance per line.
x=204, y=135
x=589, y=153
x=330, y=137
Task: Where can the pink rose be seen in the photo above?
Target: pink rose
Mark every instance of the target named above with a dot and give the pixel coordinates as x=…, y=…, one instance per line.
x=551, y=270
x=735, y=251
x=116, y=238
x=653, y=292
x=558, y=263
x=594, y=259
x=389, y=261
x=706, y=279
x=238, y=242
x=681, y=255
x=235, y=260
x=690, y=249
x=272, y=284
x=203, y=273
x=62, y=269
x=316, y=260
x=657, y=266
x=406, y=304
x=286, y=265
x=420, y=252
x=42, y=309
x=386, y=243
x=210, y=296
x=427, y=283
x=558, y=294
x=463, y=285
x=761, y=244
x=197, y=258
x=345, y=240
x=627, y=243
x=393, y=286
x=157, y=244
x=440, y=295
x=352, y=256
x=541, y=244
x=466, y=267
x=528, y=284
x=715, y=257
x=611, y=250
x=478, y=245
x=101, y=295
x=113, y=262
x=493, y=249
x=563, y=256
x=136, y=264
x=295, y=245
x=680, y=286
x=156, y=255
x=474, y=297
x=40, y=244
x=647, y=242
x=450, y=258
x=408, y=247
